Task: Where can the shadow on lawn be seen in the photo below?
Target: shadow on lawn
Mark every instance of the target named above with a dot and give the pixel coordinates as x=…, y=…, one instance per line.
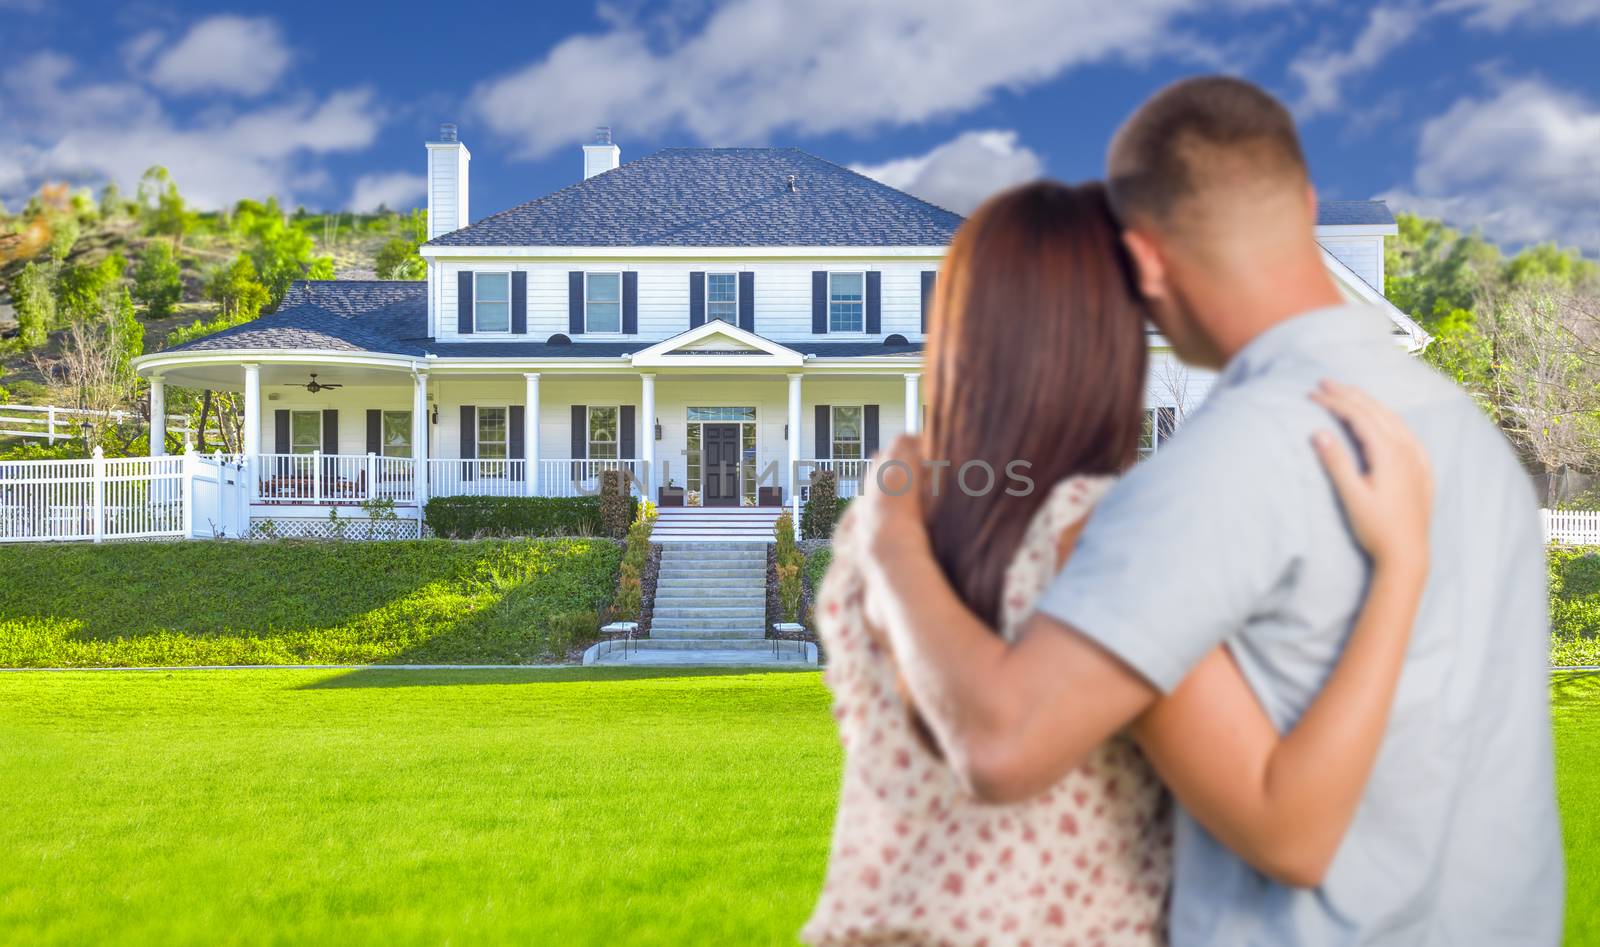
x=379, y=676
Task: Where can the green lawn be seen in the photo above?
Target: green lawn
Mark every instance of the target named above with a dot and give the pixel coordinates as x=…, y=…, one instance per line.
x=540, y=806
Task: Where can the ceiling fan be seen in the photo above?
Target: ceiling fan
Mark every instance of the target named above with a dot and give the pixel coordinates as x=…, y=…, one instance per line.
x=315, y=386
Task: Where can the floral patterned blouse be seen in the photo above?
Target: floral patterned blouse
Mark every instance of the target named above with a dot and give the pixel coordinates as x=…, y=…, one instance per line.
x=916, y=860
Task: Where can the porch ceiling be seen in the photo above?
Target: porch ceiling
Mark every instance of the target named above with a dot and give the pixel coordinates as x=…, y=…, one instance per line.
x=275, y=376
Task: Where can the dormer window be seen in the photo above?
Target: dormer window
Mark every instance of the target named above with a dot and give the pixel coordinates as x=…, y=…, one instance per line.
x=722, y=297
x=491, y=302
x=847, y=302
x=602, y=302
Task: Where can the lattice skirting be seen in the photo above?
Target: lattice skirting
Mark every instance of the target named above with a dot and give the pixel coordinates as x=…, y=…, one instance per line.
x=354, y=529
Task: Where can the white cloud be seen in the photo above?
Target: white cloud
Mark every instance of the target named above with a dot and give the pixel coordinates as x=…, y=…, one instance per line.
x=395, y=190
x=1499, y=14
x=1523, y=164
x=756, y=67
x=244, y=55
x=960, y=173
x=58, y=128
x=1324, y=71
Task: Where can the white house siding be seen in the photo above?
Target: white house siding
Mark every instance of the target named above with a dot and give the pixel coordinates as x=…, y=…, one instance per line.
x=1362, y=254
x=1172, y=384
x=351, y=401
x=782, y=297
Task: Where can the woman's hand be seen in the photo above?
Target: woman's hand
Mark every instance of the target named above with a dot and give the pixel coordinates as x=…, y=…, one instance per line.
x=1390, y=503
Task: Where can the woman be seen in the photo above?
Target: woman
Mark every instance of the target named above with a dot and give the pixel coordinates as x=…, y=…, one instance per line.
x=1038, y=353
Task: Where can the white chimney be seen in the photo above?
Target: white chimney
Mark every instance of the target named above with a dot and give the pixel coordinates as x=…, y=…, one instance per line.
x=447, y=183
x=600, y=155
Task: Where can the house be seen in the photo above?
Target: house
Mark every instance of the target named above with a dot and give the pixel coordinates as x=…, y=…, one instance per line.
x=716, y=321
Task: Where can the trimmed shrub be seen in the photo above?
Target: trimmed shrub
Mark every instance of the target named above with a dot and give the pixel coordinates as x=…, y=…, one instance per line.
x=564, y=629
x=822, y=511
x=471, y=517
x=616, y=512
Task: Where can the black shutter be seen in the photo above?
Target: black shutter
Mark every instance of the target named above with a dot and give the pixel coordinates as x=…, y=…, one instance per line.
x=519, y=302
x=626, y=448
x=580, y=431
x=330, y=430
x=819, y=301
x=747, y=301
x=514, y=441
x=697, y=299
x=464, y=302
x=824, y=434
x=630, y=303
x=280, y=431
x=874, y=302
x=928, y=277
x=469, y=440
x=869, y=430
x=575, y=302
x=374, y=431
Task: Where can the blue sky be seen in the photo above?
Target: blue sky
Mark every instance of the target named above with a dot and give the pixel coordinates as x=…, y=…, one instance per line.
x=1485, y=112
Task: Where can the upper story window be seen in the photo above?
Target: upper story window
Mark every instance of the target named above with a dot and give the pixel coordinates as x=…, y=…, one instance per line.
x=722, y=297
x=602, y=302
x=305, y=432
x=491, y=302
x=847, y=302
x=603, y=424
x=847, y=432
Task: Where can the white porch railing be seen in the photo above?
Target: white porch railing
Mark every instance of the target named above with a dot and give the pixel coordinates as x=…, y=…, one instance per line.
x=333, y=478
x=574, y=478
x=848, y=472
x=481, y=478
x=1571, y=527
x=95, y=499
x=51, y=423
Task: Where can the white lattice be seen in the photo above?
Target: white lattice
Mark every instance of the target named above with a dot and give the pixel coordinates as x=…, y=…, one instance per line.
x=352, y=529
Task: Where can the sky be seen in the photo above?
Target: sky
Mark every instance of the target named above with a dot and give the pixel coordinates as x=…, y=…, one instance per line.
x=1483, y=112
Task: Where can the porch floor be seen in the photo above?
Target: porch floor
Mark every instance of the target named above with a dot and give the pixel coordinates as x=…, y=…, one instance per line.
x=715, y=524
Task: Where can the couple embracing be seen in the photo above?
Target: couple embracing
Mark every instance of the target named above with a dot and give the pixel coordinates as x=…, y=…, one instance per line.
x=1282, y=684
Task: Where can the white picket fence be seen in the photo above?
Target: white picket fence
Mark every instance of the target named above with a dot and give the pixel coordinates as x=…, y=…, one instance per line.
x=94, y=499
x=1571, y=527
x=51, y=423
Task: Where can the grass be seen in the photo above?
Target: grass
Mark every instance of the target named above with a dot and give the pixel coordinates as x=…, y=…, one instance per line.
x=431, y=601
x=531, y=806
x=540, y=806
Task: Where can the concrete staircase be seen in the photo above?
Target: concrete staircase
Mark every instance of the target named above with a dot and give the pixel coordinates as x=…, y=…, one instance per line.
x=710, y=607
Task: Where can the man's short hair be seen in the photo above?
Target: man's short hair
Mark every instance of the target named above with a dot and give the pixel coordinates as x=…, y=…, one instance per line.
x=1199, y=134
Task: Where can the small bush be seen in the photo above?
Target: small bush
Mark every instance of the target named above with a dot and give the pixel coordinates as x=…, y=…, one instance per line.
x=822, y=513
x=616, y=510
x=783, y=532
x=469, y=517
x=790, y=591
x=564, y=629
x=630, y=594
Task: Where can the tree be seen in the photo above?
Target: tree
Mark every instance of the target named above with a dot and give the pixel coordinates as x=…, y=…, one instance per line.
x=162, y=207
x=157, y=282
x=64, y=234
x=87, y=291
x=35, y=303
x=112, y=205
x=127, y=333
x=398, y=259
x=237, y=291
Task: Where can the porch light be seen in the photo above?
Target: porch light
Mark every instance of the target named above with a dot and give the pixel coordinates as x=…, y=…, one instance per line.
x=658, y=429
x=786, y=432
x=434, y=418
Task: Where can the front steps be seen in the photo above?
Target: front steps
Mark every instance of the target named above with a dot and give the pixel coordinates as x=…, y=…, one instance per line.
x=710, y=606
x=715, y=524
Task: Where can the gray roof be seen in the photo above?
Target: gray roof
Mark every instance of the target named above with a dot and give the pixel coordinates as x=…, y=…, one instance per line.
x=391, y=317
x=1346, y=213
x=717, y=197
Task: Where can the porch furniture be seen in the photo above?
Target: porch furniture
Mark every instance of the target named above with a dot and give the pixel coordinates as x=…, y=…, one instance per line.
x=669, y=496
x=769, y=496
x=625, y=631
x=789, y=631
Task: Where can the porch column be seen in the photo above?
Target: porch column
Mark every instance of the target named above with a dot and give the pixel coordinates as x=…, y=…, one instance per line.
x=252, y=410
x=158, y=416
x=530, y=430
x=647, y=434
x=913, y=403
x=793, y=479
x=419, y=435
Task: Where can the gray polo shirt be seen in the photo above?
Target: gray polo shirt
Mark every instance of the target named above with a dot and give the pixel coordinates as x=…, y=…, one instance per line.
x=1233, y=534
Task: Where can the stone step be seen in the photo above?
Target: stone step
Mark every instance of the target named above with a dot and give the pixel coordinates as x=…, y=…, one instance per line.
x=647, y=657
x=664, y=625
x=750, y=575
x=704, y=548
x=704, y=643
x=741, y=598
x=710, y=610
x=699, y=585
x=679, y=555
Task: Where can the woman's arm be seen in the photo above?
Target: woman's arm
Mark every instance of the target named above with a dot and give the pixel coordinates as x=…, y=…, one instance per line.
x=1284, y=803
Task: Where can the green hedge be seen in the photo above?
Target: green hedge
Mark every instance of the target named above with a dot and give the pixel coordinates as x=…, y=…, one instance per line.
x=427, y=601
x=476, y=517
x=1574, y=606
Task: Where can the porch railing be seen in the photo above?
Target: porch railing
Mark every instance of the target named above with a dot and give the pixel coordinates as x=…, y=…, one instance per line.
x=334, y=478
x=572, y=478
x=484, y=478
x=848, y=472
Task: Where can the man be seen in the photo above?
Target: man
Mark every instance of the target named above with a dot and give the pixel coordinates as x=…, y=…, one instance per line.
x=1232, y=535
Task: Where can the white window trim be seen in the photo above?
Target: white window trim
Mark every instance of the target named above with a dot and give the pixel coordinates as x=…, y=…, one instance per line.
x=833, y=431
x=511, y=289
x=477, y=431
x=863, y=275
x=410, y=429
x=735, y=320
x=588, y=431
x=622, y=319
x=315, y=411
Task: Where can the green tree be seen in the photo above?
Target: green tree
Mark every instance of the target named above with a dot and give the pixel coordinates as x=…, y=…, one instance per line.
x=64, y=235
x=86, y=291
x=398, y=259
x=1545, y=264
x=157, y=282
x=112, y=205
x=237, y=291
x=162, y=207
x=35, y=302
x=320, y=268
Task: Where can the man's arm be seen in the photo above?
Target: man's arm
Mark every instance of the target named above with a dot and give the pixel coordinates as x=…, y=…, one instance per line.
x=1011, y=719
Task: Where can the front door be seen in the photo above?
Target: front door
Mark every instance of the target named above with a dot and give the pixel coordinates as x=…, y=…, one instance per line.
x=719, y=464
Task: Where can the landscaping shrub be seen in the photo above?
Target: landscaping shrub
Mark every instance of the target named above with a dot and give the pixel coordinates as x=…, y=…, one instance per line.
x=472, y=517
x=1574, y=593
x=615, y=508
x=565, y=628
x=822, y=511
x=421, y=601
x=629, y=601
x=788, y=562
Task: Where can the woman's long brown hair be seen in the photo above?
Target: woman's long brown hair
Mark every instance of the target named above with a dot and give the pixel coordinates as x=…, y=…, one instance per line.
x=1036, y=353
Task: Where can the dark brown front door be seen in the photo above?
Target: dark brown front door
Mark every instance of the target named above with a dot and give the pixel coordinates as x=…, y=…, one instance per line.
x=719, y=464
